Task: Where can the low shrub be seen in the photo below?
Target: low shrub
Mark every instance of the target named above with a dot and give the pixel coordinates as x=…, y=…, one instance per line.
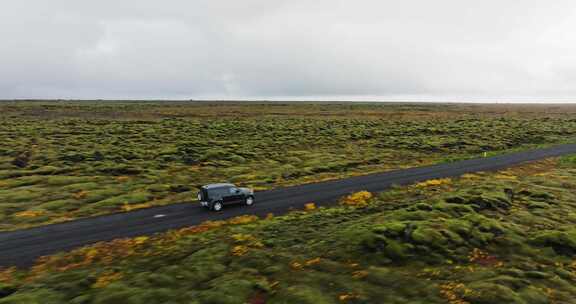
x=358, y=199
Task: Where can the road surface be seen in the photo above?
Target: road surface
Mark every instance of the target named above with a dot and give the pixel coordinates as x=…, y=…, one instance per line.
x=21, y=248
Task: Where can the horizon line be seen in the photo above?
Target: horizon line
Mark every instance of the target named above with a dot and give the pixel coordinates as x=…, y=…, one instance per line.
x=318, y=100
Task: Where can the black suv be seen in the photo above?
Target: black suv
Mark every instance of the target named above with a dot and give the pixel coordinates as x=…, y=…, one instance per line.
x=215, y=196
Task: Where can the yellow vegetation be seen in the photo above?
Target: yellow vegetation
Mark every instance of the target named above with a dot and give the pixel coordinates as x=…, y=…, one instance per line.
x=358, y=199
x=309, y=206
x=434, y=182
x=573, y=266
x=128, y=207
x=106, y=253
x=550, y=293
x=239, y=250
x=545, y=174
x=6, y=275
x=359, y=274
x=106, y=278
x=29, y=213
x=477, y=254
x=505, y=176
x=243, y=219
x=483, y=258
x=240, y=237
x=312, y=262
x=538, y=168
x=347, y=297
x=122, y=179
x=296, y=266
x=274, y=284
x=247, y=240
x=431, y=272
x=80, y=195
x=141, y=240
x=452, y=292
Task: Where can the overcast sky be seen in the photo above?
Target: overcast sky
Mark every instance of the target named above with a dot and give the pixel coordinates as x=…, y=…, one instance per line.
x=312, y=49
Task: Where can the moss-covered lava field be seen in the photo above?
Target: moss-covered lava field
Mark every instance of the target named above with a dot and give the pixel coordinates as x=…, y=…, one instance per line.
x=485, y=238
x=66, y=160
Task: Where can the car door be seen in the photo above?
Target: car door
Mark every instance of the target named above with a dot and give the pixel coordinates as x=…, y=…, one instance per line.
x=227, y=198
x=235, y=195
x=216, y=194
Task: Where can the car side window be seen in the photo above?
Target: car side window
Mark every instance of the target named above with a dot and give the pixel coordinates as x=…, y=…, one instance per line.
x=215, y=193
x=232, y=190
x=224, y=192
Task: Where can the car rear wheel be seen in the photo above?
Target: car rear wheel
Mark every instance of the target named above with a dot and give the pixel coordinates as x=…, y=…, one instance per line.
x=217, y=206
x=249, y=201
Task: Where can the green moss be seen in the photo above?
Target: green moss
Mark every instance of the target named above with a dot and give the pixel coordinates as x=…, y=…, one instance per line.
x=7, y=289
x=489, y=293
x=563, y=242
x=486, y=200
x=537, y=195
x=157, y=188
x=423, y=206
x=118, y=293
x=99, y=195
x=39, y=296
x=161, y=280
x=429, y=237
x=532, y=295
x=82, y=186
x=538, y=275
x=227, y=290
x=156, y=295
x=537, y=205
x=131, y=198
x=395, y=250
x=514, y=283
x=61, y=205
x=241, y=144
x=66, y=180
x=301, y=294
x=454, y=209
x=382, y=276
x=467, y=231
x=391, y=229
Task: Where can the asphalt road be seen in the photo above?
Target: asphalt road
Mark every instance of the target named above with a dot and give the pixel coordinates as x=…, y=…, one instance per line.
x=21, y=248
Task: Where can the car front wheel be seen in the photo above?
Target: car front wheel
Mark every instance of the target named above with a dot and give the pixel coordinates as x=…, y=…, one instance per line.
x=217, y=206
x=249, y=201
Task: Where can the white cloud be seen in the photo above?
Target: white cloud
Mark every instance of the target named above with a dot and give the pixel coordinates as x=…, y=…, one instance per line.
x=293, y=49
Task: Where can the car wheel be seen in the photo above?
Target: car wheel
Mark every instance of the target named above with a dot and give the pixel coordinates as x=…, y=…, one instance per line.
x=249, y=201
x=217, y=206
